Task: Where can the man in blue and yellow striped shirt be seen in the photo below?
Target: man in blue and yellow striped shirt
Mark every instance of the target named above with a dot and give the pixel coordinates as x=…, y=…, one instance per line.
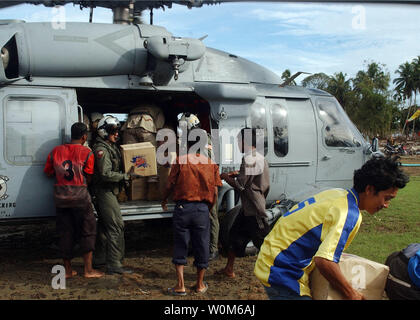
x=316, y=231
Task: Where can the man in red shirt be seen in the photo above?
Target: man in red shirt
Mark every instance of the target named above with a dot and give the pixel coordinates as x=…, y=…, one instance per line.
x=193, y=184
x=72, y=165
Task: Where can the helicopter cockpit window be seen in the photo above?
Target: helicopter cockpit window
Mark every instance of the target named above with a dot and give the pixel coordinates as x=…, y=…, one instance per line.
x=280, y=134
x=257, y=119
x=336, y=127
x=33, y=129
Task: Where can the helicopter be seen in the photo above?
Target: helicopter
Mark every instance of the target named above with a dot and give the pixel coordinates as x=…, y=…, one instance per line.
x=50, y=77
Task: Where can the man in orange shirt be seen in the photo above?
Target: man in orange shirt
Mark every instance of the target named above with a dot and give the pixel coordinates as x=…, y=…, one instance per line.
x=193, y=184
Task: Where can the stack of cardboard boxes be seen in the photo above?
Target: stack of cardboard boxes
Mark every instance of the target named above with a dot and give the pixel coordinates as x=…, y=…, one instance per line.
x=143, y=157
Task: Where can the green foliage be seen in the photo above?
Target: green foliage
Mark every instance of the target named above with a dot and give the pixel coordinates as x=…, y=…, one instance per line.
x=316, y=81
x=286, y=75
x=390, y=229
x=367, y=98
x=340, y=88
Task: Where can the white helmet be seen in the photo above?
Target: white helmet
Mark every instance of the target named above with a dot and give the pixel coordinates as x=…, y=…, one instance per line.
x=191, y=120
x=108, y=125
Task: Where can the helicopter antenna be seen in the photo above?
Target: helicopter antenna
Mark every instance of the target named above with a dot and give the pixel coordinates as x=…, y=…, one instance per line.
x=91, y=15
x=151, y=16
x=289, y=80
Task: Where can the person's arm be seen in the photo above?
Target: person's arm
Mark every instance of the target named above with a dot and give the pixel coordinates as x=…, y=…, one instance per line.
x=49, y=167
x=166, y=193
x=89, y=166
x=331, y=271
x=170, y=185
x=217, y=183
x=238, y=180
x=88, y=178
x=230, y=179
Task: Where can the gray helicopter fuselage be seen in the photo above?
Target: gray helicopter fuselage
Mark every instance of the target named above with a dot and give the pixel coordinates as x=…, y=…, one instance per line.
x=50, y=75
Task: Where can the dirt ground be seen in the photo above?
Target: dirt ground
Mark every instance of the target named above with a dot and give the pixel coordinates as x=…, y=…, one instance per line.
x=29, y=252
x=28, y=255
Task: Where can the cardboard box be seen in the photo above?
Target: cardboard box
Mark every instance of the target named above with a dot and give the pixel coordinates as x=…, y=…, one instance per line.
x=153, y=193
x=142, y=156
x=138, y=189
x=366, y=276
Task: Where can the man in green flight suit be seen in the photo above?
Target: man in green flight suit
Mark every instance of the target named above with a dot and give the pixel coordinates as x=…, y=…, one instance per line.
x=107, y=181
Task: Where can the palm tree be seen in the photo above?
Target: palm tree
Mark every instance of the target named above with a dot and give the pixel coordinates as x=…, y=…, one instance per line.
x=286, y=75
x=339, y=87
x=416, y=73
x=416, y=81
x=374, y=78
x=372, y=99
x=405, y=84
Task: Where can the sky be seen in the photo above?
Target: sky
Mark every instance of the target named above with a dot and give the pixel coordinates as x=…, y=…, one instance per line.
x=305, y=37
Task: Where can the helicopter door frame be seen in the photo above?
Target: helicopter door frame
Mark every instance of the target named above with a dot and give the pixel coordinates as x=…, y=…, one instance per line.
x=292, y=146
x=34, y=121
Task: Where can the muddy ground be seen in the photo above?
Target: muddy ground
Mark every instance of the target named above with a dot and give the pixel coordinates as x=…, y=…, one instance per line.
x=28, y=253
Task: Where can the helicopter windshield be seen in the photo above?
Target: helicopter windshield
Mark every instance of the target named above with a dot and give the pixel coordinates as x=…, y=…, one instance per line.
x=338, y=131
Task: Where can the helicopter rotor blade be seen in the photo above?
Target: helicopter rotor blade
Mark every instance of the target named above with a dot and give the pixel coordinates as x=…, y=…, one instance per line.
x=293, y=77
x=140, y=5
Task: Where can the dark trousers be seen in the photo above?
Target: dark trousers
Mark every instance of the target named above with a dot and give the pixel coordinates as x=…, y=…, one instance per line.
x=76, y=224
x=245, y=229
x=191, y=222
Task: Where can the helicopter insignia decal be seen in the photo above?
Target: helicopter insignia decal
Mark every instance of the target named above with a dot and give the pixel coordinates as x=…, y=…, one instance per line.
x=109, y=41
x=3, y=187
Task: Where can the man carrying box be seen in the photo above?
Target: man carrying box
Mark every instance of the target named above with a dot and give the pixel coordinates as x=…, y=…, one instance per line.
x=107, y=179
x=316, y=231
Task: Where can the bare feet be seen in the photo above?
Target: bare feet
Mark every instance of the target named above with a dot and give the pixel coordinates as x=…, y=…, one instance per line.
x=202, y=289
x=72, y=274
x=226, y=273
x=94, y=274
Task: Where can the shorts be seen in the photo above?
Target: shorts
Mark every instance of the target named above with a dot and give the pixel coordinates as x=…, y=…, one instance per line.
x=245, y=229
x=191, y=222
x=76, y=224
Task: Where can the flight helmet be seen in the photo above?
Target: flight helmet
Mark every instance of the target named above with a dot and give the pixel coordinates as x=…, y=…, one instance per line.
x=108, y=125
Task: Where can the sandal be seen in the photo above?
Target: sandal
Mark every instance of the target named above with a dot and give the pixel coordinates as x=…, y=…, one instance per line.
x=202, y=291
x=172, y=292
